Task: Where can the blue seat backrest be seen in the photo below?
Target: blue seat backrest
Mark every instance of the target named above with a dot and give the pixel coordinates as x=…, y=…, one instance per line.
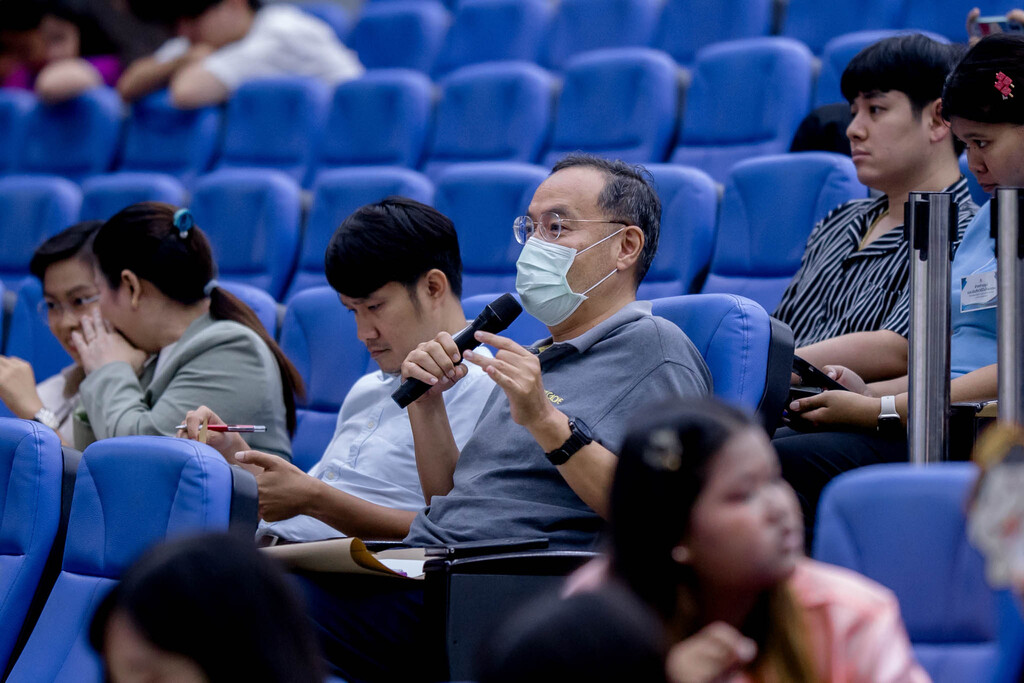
x=15, y=106
x=30, y=338
x=495, y=30
x=688, y=25
x=319, y=336
x=403, y=35
x=584, y=25
x=815, y=23
x=524, y=330
x=380, y=119
x=31, y=209
x=747, y=98
x=904, y=527
x=161, y=138
x=252, y=219
x=840, y=50
x=336, y=194
x=619, y=103
x=31, y=467
x=74, y=139
x=261, y=303
x=768, y=210
x=689, y=210
x=332, y=14
x=130, y=493
x=491, y=112
x=104, y=195
x=483, y=200
x=734, y=335
x=946, y=17
x=275, y=123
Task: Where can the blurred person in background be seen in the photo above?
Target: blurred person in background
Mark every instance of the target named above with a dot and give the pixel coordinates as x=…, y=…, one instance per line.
x=221, y=44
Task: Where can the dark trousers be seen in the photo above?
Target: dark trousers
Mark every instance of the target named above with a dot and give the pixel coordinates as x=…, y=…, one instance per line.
x=810, y=460
x=372, y=628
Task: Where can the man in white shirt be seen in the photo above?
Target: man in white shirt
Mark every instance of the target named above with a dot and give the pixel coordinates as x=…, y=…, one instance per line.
x=396, y=266
x=224, y=43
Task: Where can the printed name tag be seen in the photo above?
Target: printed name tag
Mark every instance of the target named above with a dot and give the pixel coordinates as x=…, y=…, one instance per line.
x=978, y=292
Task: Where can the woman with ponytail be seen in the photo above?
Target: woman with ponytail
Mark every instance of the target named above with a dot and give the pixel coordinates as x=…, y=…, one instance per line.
x=167, y=338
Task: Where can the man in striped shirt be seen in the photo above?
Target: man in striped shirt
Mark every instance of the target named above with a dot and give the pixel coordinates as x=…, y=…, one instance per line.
x=849, y=302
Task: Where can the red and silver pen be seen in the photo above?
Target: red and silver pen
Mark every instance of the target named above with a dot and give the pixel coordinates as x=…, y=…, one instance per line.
x=232, y=428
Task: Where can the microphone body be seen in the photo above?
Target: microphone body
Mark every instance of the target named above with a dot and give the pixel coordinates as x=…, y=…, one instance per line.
x=495, y=317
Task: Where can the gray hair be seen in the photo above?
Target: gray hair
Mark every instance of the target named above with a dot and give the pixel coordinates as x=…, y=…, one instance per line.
x=629, y=196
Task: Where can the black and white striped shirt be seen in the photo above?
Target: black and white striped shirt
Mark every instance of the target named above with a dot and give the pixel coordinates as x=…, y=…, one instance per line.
x=841, y=288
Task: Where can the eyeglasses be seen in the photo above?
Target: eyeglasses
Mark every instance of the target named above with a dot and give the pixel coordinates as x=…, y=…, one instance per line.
x=78, y=306
x=549, y=227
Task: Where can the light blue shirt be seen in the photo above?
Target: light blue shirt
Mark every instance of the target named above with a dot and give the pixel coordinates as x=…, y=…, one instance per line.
x=371, y=454
x=972, y=333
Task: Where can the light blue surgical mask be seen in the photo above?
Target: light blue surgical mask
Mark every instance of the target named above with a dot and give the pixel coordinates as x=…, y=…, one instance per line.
x=541, y=272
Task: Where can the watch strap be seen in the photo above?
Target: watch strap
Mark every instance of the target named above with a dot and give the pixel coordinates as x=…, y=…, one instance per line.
x=47, y=417
x=578, y=438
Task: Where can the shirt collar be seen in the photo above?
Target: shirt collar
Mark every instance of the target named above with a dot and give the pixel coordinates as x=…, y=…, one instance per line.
x=634, y=310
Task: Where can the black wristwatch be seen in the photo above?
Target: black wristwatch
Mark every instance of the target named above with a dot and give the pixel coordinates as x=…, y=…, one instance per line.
x=579, y=438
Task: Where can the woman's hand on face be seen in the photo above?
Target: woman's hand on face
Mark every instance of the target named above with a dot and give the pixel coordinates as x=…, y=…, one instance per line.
x=18, y=387
x=841, y=408
x=712, y=655
x=98, y=344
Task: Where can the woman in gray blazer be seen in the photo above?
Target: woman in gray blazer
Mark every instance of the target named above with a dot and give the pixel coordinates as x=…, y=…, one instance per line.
x=166, y=338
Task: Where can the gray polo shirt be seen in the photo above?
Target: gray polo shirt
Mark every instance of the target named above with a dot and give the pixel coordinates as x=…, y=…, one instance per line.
x=504, y=484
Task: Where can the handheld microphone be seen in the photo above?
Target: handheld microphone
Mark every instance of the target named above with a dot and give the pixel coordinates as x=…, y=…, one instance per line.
x=495, y=317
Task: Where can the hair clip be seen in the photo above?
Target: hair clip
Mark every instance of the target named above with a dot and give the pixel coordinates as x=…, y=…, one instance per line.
x=184, y=222
x=210, y=286
x=1004, y=84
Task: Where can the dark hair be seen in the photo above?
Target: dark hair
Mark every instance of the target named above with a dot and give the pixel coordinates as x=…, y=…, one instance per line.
x=629, y=196
x=168, y=13
x=142, y=238
x=912, y=64
x=216, y=600
x=395, y=240
x=971, y=92
x=605, y=635
x=75, y=241
x=19, y=16
x=663, y=466
x=93, y=40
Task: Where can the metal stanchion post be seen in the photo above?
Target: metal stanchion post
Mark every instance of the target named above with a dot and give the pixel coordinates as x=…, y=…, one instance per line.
x=930, y=224
x=1007, y=230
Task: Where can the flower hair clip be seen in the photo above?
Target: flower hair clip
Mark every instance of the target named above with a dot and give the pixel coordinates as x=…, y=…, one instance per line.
x=1004, y=84
x=184, y=222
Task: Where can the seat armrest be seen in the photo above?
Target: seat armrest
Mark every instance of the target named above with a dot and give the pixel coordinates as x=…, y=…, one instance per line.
x=245, y=510
x=777, y=375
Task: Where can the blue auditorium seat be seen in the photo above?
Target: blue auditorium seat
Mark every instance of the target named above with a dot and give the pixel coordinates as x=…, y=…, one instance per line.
x=130, y=493
x=688, y=25
x=336, y=194
x=275, y=123
x=31, y=209
x=482, y=200
x=491, y=112
x=319, y=336
x=947, y=17
x=768, y=210
x=620, y=103
x=332, y=14
x=495, y=30
x=749, y=354
x=262, y=304
x=74, y=139
x=524, y=330
x=815, y=23
x=689, y=210
x=252, y=219
x=840, y=50
x=29, y=337
x=15, y=106
x=105, y=195
x=979, y=195
x=746, y=99
x=31, y=470
x=584, y=25
x=161, y=138
x=903, y=526
x=403, y=34
x=380, y=119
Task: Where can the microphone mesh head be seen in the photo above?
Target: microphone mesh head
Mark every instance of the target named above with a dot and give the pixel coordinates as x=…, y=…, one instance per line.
x=506, y=309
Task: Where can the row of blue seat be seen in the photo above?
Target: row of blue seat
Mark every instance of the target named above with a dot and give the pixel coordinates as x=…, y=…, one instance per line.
x=751, y=244
x=746, y=98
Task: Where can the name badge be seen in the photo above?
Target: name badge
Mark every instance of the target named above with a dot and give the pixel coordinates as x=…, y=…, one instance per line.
x=978, y=292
